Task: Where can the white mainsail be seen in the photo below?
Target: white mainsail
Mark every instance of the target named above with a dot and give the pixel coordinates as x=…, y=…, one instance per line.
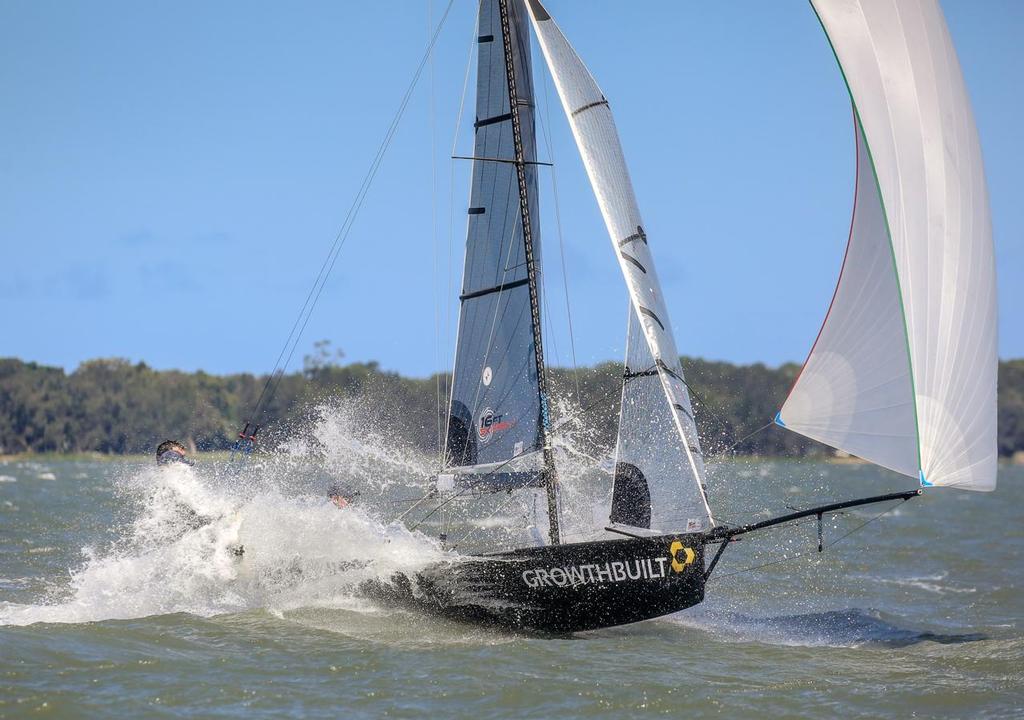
x=597, y=139
x=903, y=373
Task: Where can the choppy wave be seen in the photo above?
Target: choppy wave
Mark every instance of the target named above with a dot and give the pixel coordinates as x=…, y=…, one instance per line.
x=936, y=583
x=852, y=627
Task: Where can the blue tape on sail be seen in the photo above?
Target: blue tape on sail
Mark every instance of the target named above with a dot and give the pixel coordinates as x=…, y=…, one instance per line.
x=778, y=419
x=924, y=483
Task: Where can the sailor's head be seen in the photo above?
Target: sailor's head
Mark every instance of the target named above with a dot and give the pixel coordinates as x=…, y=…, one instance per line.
x=171, y=451
x=340, y=495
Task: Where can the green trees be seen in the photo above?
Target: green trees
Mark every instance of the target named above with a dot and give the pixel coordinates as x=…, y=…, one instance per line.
x=114, y=406
x=34, y=408
x=1011, y=407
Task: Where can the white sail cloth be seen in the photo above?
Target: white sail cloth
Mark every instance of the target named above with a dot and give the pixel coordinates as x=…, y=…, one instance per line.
x=652, y=467
x=598, y=142
x=904, y=370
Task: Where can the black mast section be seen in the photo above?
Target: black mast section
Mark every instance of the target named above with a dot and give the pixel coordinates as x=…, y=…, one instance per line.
x=524, y=212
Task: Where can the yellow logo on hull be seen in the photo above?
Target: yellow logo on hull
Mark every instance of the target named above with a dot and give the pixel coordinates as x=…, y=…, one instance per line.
x=688, y=556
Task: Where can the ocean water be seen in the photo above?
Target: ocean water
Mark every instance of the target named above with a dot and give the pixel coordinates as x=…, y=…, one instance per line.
x=115, y=602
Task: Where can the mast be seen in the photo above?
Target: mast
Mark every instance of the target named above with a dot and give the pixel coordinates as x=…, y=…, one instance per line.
x=551, y=478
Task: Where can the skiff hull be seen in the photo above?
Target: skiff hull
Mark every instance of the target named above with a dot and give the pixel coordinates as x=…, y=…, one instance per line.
x=561, y=589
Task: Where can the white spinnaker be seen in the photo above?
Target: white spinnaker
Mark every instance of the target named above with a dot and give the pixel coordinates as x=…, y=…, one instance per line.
x=598, y=142
x=855, y=392
x=923, y=151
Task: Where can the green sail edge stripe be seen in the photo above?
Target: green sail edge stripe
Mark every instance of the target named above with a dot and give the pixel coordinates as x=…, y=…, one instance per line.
x=888, y=232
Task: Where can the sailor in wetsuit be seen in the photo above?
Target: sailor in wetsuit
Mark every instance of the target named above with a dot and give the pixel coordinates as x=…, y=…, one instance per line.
x=172, y=452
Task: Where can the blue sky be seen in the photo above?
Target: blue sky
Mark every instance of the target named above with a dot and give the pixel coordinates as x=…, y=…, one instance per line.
x=172, y=174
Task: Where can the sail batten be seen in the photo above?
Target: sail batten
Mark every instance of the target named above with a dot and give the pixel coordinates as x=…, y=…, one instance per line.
x=658, y=442
x=915, y=303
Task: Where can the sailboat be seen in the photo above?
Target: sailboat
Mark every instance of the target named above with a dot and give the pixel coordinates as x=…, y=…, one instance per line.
x=902, y=373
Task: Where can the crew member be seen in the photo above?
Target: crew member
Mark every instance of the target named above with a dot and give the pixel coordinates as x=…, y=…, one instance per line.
x=172, y=451
x=341, y=496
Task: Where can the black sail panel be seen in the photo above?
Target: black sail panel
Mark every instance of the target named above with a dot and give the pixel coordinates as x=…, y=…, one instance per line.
x=495, y=409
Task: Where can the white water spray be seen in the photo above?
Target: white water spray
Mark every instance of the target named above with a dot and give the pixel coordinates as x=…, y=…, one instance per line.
x=228, y=537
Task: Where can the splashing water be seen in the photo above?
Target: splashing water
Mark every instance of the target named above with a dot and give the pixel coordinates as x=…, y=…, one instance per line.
x=229, y=537
x=585, y=469
x=485, y=521
x=353, y=441
x=226, y=538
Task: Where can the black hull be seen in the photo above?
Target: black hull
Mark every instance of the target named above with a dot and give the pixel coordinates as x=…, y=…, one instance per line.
x=569, y=588
x=561, y=589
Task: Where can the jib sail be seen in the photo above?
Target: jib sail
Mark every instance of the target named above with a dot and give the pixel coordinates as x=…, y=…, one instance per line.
x=658, y=450
x=653, y=486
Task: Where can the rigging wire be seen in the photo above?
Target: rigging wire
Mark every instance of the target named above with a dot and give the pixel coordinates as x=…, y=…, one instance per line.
x=551, y=336
x=710, y=408
x=455, y=496
x=305, y=313
x=614, y=390
x=480, y=524
x=544, y=125
x=434, y=239
x=449, y=389
x=740, y=441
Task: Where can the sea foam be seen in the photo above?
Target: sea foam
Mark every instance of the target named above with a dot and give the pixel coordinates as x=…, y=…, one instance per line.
x=258, y=533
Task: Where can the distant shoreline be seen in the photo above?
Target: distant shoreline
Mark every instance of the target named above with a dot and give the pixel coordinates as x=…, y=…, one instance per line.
x=112, y=407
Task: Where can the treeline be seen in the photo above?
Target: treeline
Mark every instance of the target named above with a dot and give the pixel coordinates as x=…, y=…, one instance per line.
x=114, y=406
